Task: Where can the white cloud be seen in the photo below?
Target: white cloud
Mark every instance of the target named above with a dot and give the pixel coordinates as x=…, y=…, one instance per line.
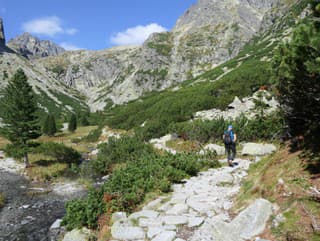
x=68, y=46
x=71, y=31
x=49, y=26
x=136, y=35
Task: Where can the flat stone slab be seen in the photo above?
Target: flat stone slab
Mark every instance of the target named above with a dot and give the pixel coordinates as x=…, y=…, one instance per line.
x=165, y=236
x=144, y=214
x=255, y=149
x=175, y=220
x=77, y=235
x=178, y=209
x=127, y=233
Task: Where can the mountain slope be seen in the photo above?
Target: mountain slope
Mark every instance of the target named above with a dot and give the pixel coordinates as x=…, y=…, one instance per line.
x=240, y=76
x=32, y=47
x=208, y=34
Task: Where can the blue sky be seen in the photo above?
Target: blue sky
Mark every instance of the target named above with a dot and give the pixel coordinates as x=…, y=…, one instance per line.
x=95, y=24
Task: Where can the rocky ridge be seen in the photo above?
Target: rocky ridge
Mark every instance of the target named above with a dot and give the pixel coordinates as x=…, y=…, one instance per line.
x=32, y=47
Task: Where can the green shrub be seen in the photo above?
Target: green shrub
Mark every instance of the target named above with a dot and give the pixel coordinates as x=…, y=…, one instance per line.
x=129, y=184
x=121, y=150
x=93, y=135
x=60, y=152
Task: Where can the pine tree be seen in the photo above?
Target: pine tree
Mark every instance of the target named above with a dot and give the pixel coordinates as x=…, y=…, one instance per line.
x=19, y=107
x=72, y=123
x=52, y=125
x=84, y=120
x=49, y=126
x=297, y=69
x=45, y=127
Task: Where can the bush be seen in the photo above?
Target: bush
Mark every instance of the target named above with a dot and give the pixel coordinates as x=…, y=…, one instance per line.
x=129, y=184
x=60, y=153
x=121, y=150
x=93, y=136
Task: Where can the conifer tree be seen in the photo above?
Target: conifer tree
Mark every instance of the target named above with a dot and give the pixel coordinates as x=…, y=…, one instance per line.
x=84, y=120
x=72, y=123
x=19, y=107
x=49, y=126
x=297, y=69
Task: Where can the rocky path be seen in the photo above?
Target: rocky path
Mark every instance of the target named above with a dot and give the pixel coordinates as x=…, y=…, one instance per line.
x=197, y=210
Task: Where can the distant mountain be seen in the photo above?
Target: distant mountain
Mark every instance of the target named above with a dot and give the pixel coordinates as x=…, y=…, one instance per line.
x=31, y=47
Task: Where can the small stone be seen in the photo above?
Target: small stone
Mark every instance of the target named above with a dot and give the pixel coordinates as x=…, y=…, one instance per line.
x=56, y=224
x=195, y=222
x=118, y=216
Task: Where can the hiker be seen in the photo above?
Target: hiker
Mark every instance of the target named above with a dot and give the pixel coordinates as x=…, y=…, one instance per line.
x=229, y=139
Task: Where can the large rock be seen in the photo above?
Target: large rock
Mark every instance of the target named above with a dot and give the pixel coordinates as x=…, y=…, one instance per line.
x=249, y=223
x=78, y=235
x=255, y=149
x=220, y=150
x=123, y=230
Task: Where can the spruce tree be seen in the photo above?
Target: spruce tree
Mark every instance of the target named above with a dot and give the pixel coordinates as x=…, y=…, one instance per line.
x=52, y=125
x=72, y=123
x=49, y=126
x=84, y=120
x=297, y=69
x=19, y=107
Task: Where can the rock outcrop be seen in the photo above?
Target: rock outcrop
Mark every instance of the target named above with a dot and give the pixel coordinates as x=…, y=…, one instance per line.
x=32, y=47
x=2, y=36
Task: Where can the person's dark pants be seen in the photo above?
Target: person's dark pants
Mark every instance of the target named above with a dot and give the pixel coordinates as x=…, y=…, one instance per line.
x=231, y=151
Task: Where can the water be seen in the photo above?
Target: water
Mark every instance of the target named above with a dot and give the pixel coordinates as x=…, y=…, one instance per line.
x=28, y=213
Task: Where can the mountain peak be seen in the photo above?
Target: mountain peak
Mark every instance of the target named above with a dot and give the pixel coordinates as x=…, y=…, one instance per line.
x=32, y=47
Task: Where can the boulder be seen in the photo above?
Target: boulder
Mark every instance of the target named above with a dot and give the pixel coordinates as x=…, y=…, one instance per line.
x=220, y=150
x=255, y=149
x=78, y=235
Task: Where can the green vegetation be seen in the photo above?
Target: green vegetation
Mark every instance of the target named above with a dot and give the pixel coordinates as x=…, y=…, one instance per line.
x=137, y=171
x=72, y=126
x=162, y=44
x=58, y=69
x=49, y=127
x=260, y=128
x=19, y=109
x=292, y=196
x=296, y=66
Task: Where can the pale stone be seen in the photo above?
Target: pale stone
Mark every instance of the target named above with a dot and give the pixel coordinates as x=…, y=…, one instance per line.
x=144, y=214
x=255, y=149
x=175, y=220
x=165, y=236
x=78, y=235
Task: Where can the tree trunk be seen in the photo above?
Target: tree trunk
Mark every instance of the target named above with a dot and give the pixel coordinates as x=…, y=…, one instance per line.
x=26, y=160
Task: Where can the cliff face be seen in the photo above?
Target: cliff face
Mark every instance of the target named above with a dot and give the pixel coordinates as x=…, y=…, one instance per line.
x=2, y=37
x=32, y=47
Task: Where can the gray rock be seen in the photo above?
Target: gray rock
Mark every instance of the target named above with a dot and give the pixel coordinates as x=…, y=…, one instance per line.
x=175, y=220
x=118, y=216
x=127, y=233
x=56, y=224
x=78, y=235
x=165, y=236
x=255, y=149
x=32, y=47
x=144, y=214
x=220, y=150
x=2, y=36
x=195, y=222
x=178, y=209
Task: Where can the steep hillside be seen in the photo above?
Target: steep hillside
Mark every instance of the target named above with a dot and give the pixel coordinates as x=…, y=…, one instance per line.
x=32, y=47
x=241, y=76
x=208, y=34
